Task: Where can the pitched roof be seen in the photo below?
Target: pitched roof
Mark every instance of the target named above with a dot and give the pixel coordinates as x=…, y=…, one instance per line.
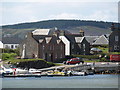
x=48, y=39
x=79, y=39
x=41, y=40
x=71, y=37
x=102, y=40
x=91, y=39
x=38, y=37
x=11, y=40
x=58, y=41
x=41, y=32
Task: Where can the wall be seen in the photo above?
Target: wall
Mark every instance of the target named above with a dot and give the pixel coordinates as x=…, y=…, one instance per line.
x=112, y=41
x=31, y=47
x=67, y=44
x=10, y=46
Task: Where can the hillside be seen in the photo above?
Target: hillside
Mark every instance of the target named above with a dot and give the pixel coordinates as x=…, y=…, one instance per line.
x=62, y=24
x=90, y=27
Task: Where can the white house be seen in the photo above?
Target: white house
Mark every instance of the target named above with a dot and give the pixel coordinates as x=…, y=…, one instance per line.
x=1, y=45
x=75, y=44
x=11, y=42
x=67, y=44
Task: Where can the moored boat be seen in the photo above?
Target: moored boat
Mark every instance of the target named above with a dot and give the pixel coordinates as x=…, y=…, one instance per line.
x=23, y=75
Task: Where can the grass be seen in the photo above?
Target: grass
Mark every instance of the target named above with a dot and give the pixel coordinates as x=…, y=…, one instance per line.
x=13, y=61
x=104, y=50
x=89, y=61
x=56, y=64
x=7, y=56
x=114, y=53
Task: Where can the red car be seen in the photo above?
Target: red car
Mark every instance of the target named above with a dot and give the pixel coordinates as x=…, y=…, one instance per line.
x=74, y=61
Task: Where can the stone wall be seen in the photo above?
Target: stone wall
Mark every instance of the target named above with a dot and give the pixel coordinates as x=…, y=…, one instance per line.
x=34, y=64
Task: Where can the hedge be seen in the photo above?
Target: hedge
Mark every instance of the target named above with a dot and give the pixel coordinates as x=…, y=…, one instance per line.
x=7, y=56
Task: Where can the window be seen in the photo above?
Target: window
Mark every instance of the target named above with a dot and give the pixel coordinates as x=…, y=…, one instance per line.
x=84, y=47
x=116, y=38
x=116, y=47
x=43, y=47
x=72, y=46
x=12, y=46
x=56, y=55
x=16, y=46
x=7, y=46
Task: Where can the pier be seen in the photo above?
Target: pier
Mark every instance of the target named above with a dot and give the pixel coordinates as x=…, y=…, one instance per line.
x=98, y=68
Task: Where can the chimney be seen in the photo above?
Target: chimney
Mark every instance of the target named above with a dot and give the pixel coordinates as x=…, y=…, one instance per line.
x=62, y=33
x=112, y=27
x=81, y=32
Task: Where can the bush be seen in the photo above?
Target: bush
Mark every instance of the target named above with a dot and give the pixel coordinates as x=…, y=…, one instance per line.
x=13, y=61
x=11, y=51
x=104, y=60
x=61, y=60
x=7, y=56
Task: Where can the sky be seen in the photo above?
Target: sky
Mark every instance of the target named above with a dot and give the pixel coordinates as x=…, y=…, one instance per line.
x=21, y=11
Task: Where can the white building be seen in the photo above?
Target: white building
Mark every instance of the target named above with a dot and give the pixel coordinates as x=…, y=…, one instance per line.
x=1, y=45
x=10, y=42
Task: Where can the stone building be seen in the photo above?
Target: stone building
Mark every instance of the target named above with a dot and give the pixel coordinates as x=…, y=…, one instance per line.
x=53, y=44
x=75, y=44
x=43, y=46
x=114, y=39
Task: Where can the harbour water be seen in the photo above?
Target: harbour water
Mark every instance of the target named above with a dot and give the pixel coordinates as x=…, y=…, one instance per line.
x=90, y=81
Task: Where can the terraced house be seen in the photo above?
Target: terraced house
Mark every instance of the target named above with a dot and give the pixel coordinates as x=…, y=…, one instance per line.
x=53, y=44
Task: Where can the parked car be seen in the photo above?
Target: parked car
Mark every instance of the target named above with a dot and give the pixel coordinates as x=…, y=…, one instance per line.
x=6, y=69
x=95, y=50
x=115, y=57
x=74, y=61
x=1, y=71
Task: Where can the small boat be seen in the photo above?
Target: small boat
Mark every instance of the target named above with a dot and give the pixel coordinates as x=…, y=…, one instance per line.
x=33, y=71
x=23, y=75
x=76, y=73
x=55, y=73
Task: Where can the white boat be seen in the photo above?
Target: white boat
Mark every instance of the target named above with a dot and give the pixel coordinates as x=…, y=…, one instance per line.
x=20, y=71
x=76, y=73
x=32, y=70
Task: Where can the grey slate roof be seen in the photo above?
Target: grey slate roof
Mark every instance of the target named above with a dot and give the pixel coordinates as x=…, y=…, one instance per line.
x=102, y=40
x=11, y=40
x=91, y=39
x=71, y=37
x=38, y=37
x=41, y=32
